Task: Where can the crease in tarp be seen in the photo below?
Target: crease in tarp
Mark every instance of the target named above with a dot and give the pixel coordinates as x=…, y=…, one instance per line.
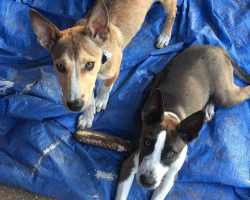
x=36, y=130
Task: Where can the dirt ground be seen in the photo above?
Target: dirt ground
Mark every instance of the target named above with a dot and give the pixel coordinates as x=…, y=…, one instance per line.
x=9, y=193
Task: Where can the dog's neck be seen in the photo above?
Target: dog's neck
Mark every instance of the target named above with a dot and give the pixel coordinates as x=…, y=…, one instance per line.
x=173, y=115
x=179, y=108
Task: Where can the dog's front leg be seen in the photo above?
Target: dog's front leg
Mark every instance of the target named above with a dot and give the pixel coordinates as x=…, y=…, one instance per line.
x=164, y=37
x=103, y=94
x=86, y=118
x=127, y=174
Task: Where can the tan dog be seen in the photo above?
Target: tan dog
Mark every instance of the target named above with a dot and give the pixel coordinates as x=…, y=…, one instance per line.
x=77, y=52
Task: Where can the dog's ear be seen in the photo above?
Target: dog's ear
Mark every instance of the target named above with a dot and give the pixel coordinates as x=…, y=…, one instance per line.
x=153, y=110
x=97, y=23
x=46, y=32
x=190, y=127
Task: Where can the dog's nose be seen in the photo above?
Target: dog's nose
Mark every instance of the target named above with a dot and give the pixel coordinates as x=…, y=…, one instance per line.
x=147, y=181
x=75, y=105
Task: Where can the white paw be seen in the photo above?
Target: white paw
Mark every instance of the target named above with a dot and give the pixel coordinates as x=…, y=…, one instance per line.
x=162, y=41
x=158, y=198
x=101, y=101
x=209, y=109
x=209, y=116
x=85, y=120
x=102, y=98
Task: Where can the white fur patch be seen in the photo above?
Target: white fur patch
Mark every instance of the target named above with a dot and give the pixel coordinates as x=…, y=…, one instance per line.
x=209, y=109
x=102, y=98
x=162, y=40
x=74, y=86
x=151, y=164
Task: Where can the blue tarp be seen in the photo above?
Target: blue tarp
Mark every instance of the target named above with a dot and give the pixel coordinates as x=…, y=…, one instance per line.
x=37, y=150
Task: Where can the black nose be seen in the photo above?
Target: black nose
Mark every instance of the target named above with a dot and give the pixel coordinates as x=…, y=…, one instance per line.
x=147, y=181
x=75, y=105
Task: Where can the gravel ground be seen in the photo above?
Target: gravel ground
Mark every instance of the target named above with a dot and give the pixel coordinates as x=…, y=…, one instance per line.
x=9, y=193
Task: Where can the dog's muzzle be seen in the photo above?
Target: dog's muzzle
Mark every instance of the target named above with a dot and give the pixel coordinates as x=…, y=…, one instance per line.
x=147, y=182
x=75, y=105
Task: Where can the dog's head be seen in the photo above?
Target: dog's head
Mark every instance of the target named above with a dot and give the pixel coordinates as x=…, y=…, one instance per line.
x=76, y=53
x=162, y=140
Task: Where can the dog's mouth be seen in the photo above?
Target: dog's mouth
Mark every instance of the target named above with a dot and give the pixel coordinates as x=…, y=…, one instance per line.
x=147, y=187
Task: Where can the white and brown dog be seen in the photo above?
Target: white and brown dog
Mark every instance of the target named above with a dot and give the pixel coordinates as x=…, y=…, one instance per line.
x=199, y=78
x=79, y=53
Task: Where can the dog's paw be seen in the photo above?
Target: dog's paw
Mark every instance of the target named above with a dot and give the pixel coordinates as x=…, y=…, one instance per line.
x=85, y=120
x=162, y=41
x=159, y=197
x=101, y=102
x=209, y=109
x=102, y=98
x=209, y=116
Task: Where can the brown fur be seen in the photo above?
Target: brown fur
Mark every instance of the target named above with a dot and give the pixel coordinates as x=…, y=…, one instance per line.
x=169, y=123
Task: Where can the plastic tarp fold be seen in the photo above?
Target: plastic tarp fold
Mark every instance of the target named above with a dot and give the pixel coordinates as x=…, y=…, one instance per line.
x=37, y=150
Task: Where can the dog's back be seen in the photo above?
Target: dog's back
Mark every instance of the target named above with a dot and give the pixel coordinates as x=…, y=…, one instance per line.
x=126, y=15
x=199, y=75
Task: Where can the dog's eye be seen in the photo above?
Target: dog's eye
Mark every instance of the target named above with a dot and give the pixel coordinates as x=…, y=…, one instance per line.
x=61, y=68
x=89, y=65
x=171, y=154
x=149, y=142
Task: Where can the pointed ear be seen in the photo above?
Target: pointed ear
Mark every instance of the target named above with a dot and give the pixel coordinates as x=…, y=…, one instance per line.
x=46, y=32
x=190, y=127
x=153, y=110
x=97, y=23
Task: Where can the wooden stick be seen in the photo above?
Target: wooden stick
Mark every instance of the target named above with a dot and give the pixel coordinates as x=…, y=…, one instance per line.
x=102, y=140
